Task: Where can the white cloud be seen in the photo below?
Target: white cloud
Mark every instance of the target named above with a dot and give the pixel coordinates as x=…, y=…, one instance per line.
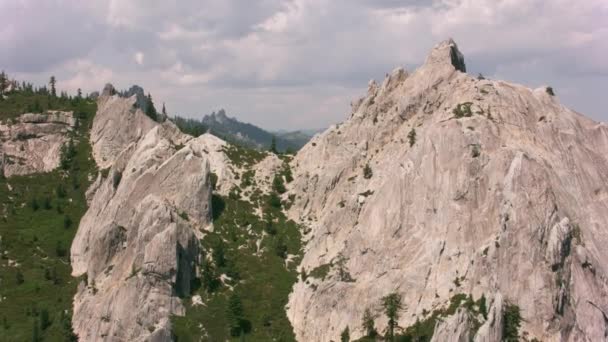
x=139, y=58
x=288, y=63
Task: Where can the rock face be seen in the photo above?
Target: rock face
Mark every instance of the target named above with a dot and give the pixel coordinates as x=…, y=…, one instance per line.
x=478, y=187
x=33, y=143
x=137, y=245
x=118, y=123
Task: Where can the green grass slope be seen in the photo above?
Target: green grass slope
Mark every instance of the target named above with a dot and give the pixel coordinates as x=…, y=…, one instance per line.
x=39, y=215
x=246, y=271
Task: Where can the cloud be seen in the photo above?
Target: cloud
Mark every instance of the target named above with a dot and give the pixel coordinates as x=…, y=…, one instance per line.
x=297, y=63
x=139, y=58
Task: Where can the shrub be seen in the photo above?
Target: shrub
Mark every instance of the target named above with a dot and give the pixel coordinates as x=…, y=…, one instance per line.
x=274, y=200
x=34, y=204
x=60, y=191
x=367, y=172
x=278, y=185
x=213, y=180
x=67, y=222
x=47, y=203
x=116, y=178
x=280, y=248
x=368, y=324
x=60, y=251
x=481, y=302
x=45, y=321
x=412, y=137
x=345, y=335
x=549, y=91
x=475, y=151
x=184, y=215
x=463, y=110
x=511, y=320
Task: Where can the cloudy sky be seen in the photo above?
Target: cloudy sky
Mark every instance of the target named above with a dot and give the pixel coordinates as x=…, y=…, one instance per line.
x=298, y=63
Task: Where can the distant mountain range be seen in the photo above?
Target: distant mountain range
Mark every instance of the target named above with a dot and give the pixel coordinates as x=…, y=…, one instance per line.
x=250, y=135
x=231, y=129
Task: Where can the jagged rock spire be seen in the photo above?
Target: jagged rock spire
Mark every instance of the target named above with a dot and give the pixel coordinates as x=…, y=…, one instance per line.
x=446, y=53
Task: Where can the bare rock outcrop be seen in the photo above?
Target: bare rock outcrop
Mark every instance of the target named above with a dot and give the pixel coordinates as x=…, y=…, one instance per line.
x=137, y=245
x=440, y=183
x=118, y=123
x=33, y=142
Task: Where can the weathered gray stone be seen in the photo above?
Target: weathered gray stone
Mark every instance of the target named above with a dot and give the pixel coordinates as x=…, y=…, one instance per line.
x=33, y=142
x=508, y=201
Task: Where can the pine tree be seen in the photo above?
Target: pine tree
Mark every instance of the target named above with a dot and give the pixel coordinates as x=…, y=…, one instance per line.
x=45, y=322
x=79, y=93
x=52, y=83
x=392, y=306
x=345, y=336
x=35, y=332
x=412, y=137
x=150, y=110
x=368, y=324
x=164, y=110
x=234, y=314
x=3, y=82
x=273, y=145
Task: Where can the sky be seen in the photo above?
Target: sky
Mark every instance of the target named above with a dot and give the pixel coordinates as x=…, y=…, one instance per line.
x=294, y=64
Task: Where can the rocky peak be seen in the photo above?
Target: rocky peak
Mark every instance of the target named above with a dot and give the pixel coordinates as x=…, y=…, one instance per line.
x=108, y=90
x=446, y=53
x=440, y=184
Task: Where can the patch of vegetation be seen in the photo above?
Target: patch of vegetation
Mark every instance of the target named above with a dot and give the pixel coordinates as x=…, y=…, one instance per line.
x=37, y=294
x=321, y=271
x=367, y=172
x=423, y=330
x=475, y=151
x=463, y=110
x=242, y=156
x=550, y=91
x=245, y=281
x=191, y=127
x=511, y=321
x=411, y=136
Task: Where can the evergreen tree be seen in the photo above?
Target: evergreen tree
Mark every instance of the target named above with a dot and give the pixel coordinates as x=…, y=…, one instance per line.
x=278, y=185
x=219, y=256
x=35, y=332
x=79, y=93
x=273, y=145
x=150, y=110
x=368, y=324
x=52, y=83
x=45, y=322
x=3, y=82
x=412, y=137
x=208, y=280
x=367, y=172
x=345, y=336
x=235, y=315
x=392, y=306
x=164, y=110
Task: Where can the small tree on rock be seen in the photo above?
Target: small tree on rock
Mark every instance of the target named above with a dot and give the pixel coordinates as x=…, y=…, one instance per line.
x=412, y=137
x=392, y=307
x=345, y=336
x=367, y=172
x=368, y=324
x=52, y=83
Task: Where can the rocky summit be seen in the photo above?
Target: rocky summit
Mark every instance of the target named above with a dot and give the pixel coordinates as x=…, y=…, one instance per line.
x=446, y=207
x=441, y=184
